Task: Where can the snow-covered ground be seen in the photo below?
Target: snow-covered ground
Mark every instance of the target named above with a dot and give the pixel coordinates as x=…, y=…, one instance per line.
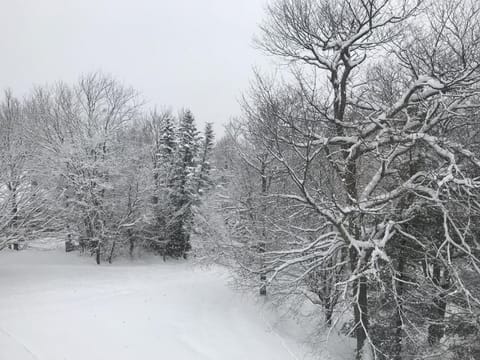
x=57, y=306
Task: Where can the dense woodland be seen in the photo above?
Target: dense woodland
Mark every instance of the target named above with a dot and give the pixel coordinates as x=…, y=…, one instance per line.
x=351, y=180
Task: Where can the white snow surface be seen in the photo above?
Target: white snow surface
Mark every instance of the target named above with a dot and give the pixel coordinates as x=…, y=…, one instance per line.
x=57, y=306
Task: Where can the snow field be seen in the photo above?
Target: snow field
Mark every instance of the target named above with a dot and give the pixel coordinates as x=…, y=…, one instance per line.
x=57, y=306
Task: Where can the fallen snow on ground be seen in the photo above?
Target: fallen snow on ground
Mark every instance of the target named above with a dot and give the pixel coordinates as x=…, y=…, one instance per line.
x=56, y=306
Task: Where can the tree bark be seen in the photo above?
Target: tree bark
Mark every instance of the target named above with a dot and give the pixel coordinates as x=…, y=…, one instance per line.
x=328, y=311
x=397, y=350
x=111, y=253
x=262, y=245
x=132, y=243
x=360, y=310
x=436, y=330
x=97, y=251
x=360, y=287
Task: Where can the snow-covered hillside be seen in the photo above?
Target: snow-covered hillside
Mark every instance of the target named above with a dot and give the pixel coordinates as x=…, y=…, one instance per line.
x=61, y=306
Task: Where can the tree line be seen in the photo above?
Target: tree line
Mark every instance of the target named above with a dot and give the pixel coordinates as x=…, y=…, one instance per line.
x=88, y=162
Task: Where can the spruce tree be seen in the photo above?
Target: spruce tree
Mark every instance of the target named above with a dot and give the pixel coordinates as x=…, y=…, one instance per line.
x=167, y=139
x=203, y=179
x=183, y=192
x=162, y=127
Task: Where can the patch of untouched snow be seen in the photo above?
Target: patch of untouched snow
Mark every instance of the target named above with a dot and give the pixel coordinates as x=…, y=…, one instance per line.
x=47, y=243
x=306, y=325
x=62, y=306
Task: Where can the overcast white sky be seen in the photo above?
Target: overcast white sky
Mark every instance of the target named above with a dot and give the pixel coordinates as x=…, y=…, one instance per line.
x=178, y=53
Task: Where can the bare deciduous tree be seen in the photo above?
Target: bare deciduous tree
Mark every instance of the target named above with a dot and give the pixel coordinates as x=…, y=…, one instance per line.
x=365, y=131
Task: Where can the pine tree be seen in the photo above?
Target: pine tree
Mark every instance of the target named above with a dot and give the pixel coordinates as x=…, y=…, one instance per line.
x=161, y=133
x=167, y=138
x=183, y=187
x=163, y=136
x=204, y=181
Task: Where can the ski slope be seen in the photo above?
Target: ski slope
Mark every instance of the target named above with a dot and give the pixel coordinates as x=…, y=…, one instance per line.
x=58, y=306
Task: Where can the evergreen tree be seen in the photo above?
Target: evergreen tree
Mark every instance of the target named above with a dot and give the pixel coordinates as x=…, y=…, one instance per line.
x=204, y=181
x=160, y=130
x=183, y=192
x=168, y=141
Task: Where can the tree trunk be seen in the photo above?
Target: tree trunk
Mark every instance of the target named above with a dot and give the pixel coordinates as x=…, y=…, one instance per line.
x=328, y=311
x=14, y=207
x=397, y=350
x=263, y=276
x=360, y=310
x=262, y=244
x=13, y=189
x=111, y=253
x=436, y=330
x=132, y=243
x=360, y=287
x=97, y=251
